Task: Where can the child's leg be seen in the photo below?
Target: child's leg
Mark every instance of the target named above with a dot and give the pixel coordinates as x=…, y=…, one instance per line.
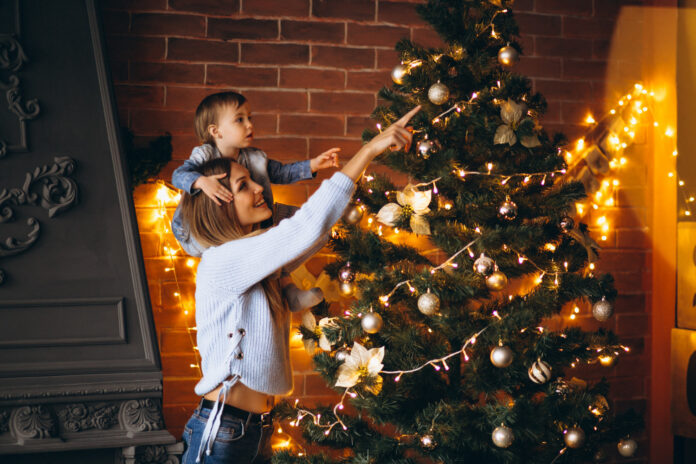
x=299, y=299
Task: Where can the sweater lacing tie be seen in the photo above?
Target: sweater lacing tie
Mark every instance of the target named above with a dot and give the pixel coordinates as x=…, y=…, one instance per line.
x=213, y=424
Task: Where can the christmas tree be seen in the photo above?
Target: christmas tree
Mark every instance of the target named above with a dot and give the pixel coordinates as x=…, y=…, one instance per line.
x=456, y=356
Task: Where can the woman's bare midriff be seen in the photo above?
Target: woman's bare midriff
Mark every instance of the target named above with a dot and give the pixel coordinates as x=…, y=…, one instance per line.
x=242, y=397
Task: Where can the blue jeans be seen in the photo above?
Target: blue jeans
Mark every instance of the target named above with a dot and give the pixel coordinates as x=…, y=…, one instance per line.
x=238, y=441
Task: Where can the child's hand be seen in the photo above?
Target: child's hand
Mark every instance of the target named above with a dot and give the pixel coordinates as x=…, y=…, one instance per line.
x=214, y=189
x=328, y=159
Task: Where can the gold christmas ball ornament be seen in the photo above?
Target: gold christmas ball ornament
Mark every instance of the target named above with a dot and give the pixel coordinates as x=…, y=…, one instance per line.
x=602, y=310
x=353, y=214
x=567, y=224
x=501, y=356
x=484, y=265
x=438, y=93
x=346, y=273
x=342, y=354
x=427, y=442
x=508, y=210
x=574, y=437
x=607, y=360
x=496, y=281
x=508, y=56
x=502, y=3
x=346, y=288
x=425, y=147
x=398, y=73
x=502, y=436
x=428, y=303
x=540, y=372
x=371, y=323
x=627, y=447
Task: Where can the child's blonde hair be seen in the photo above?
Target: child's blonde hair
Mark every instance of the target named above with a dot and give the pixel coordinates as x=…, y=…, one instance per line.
x=212, y=225
x=208, y=111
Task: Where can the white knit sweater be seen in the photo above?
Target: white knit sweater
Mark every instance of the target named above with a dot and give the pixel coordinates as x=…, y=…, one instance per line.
x=236, y=332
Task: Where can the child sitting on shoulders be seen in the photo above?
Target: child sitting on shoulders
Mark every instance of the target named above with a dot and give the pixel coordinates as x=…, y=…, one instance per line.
x=223, y=125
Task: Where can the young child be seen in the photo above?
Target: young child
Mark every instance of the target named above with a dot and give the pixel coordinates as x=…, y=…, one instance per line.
x=223, y=124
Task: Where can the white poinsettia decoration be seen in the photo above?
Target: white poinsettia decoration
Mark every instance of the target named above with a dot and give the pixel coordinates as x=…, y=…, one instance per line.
x=512, y=115
x=362, y=364
x=414, y=200
x=309, y=322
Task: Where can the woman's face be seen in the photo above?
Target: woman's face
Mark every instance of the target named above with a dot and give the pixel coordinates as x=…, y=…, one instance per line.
x=248, y=202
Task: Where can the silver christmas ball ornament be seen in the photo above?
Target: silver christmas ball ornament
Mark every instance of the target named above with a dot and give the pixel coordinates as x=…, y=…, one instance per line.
x=428, y=303
x=508, y=56
x=398, y=73
x=540, y=372
x=427, y=442
x=371, y=323
x=508, y=210
x=627, y=447
x=346, y=288
x=496, y=281
x=602, y=310
x=567, y=224
x=501, y=356
x=341, y=354
x=574, y=437
x=502, y=436
x=425, y=147
x=346, y=273
x=353, y=214
x=438, y=93
x=484, y=265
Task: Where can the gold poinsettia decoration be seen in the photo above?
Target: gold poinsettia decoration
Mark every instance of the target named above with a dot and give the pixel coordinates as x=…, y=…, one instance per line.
x=410, y=200
x=309, y=322
x=362, y=365
x=512, y=115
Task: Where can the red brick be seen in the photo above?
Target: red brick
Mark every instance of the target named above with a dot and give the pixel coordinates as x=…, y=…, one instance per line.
x=277, y=100
x=150, y=243
x=167, y=72
x=632, y=238
x=564, y=7
x=176, y=416
x=539, y=67
x=621, y=260
x=139, y=95
x=264, y=124
x=572, y=131
x=173, y=302
x=135, y=48
x=295, y=194
x=283, y=148
x=387, y=59
x=272, y=8
x=368, y=80
x=601, y=49
x=176, y=341
x=186, y=98
x=316, y=386
x=627, y=387
x=202, y=51
x=360, y=10
x=180, y=390
x=627, y=282
x=625, y=304
x=576, y=112
x=355, y=125
x=237, y=76
x=161, y=121
x=564, y=48
x=632, y=197
x=226, y=29
x=168, y=24
x=524, y=5
x=119, y=71
x=553, y=112
x=387, y=36
x=427, y=38
x=584, y=69
x=307, y=78
x=301, y=124
x=561, y=90
x=343, y=57
x=313, y=31
x=593, y=28
x=116, y=22
x=402, y=13
x=536, y=24
x=213, y=7
x=275, y=53
x=347, y=103
x=348, y=145
x=138, y=5
x=633, y=324
x=178, y=365
x=182, y=144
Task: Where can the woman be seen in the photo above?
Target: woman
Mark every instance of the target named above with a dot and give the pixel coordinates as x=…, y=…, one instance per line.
x=243, y=324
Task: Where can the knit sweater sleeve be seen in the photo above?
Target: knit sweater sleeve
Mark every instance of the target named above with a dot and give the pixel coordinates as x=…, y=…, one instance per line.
x=239, y=264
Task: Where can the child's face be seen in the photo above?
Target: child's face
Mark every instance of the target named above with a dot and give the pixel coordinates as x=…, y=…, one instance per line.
x=248, y=202
x=234, y=129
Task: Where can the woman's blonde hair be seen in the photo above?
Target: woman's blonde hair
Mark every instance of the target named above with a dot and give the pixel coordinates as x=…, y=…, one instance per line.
x=208, y=111
x=213, y=225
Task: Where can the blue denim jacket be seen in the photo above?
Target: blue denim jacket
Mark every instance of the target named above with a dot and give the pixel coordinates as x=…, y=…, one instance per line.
x=262, y=170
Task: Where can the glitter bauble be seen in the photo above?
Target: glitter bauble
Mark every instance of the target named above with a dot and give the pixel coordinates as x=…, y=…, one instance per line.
x=501, y=356
x=428, y=442
x=341, y=354
x=424, y=147
x=346, y=288
x=540, y=372
x=502, y=436
x=371, y=323
x=627, y=447
x=484, y=265
x=496, y=281
x=428, y=303
x=566, y=224
x=574, y=437
x=346, y=273
x=398, y=73
x=353, y=214
x=607, y=360
x=602, y=310
x=508, y=56
x=508, y=210
x=438, y=93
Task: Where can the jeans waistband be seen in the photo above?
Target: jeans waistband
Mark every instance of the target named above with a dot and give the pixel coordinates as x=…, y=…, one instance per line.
x=249, y=417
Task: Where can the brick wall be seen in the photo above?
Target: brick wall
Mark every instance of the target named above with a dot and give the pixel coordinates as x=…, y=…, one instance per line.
x=311, y=70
